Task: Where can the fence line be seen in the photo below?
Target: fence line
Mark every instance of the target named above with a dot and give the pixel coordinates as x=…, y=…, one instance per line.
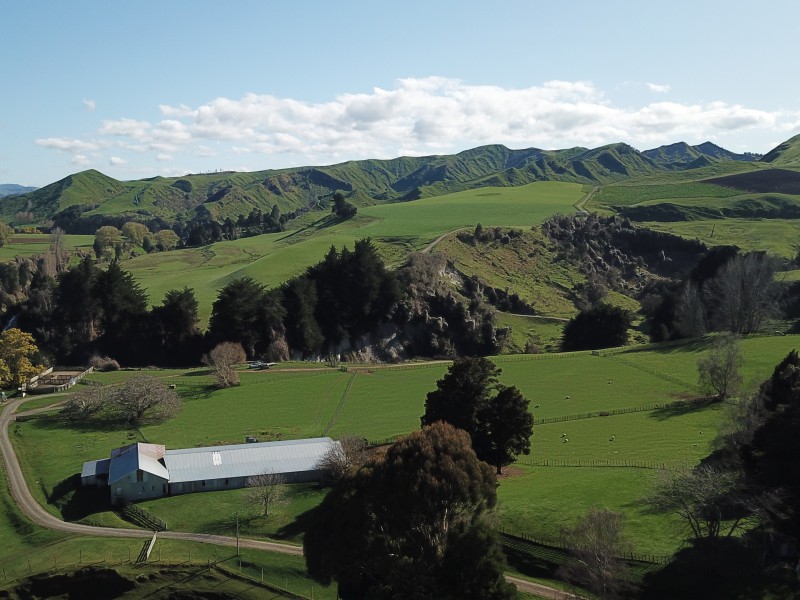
x=339, y=406
x=622, y=411
x=561, y=544
x=598, y=463
x=653, y=372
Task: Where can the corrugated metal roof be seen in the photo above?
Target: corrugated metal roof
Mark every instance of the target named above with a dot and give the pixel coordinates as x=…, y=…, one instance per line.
x=93, y=468
x=244, y=460
x=129, y=458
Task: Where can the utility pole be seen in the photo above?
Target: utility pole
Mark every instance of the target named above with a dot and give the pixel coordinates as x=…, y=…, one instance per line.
x=237, y=534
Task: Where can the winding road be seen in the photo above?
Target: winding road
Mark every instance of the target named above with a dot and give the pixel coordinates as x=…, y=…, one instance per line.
x=28, y=505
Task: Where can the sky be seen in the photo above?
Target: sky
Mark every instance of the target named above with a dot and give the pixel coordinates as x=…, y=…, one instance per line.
x=143, y=88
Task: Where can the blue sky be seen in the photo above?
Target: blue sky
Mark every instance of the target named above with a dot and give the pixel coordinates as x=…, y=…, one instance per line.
x=143, y=88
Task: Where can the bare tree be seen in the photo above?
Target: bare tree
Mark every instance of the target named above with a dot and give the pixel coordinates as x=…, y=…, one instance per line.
x=223, y=360
x=596, y=542
x=743, y=292
x=349, y=454
x=145, y=396
x=266, y=491
x=719, y=369
x=58, y=247
x=690, y=319
x=86, y=403
x=707, y=499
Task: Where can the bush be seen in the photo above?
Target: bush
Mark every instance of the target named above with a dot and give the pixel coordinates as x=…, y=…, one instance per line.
x=103, y=363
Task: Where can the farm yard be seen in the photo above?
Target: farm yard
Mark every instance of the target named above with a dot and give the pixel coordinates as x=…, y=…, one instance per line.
x=623, y=412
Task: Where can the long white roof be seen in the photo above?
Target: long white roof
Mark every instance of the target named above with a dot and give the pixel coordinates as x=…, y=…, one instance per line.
x=244, y=460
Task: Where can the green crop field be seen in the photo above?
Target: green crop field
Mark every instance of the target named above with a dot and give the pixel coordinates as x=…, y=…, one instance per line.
x=396, y=228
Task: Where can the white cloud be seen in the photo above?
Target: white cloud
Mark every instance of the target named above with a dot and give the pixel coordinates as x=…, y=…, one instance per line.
x=81, y=160
x=67, y=144
x=116, y=161
x=658, y=88
x=89, y=105
x=417, y=117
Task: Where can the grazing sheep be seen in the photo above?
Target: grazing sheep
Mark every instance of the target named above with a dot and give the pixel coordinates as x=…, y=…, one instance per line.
x=563, y=435
x=537, y=406
x=613, y=437
x=569, y=397
x=567, y=439
x=609, y=381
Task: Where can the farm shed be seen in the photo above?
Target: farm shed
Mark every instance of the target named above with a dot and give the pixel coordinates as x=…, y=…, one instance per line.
x=227, y=467
x=142, y=471
x=137, y=473
x=95, y=473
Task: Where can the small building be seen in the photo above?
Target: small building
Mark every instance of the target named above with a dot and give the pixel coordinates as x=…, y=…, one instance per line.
x=142, y=471
x=137, y=472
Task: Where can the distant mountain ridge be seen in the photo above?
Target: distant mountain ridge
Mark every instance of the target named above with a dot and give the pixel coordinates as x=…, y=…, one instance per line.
x=9, y=189
x=92, y=196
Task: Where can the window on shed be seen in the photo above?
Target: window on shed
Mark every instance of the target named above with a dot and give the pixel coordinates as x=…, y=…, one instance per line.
x=139, y=476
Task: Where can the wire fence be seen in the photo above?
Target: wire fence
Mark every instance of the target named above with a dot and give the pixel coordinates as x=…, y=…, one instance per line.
x=600, y=463
x=513, y=538
x=623, y=411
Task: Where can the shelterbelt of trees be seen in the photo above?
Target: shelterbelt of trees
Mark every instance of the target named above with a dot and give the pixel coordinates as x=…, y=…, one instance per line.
x=348, y=302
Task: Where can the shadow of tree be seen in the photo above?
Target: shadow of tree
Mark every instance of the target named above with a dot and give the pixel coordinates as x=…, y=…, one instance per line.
x=680, y=408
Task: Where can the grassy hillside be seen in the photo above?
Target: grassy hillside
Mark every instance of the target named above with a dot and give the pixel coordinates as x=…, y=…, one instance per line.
x=396, y=228
x=222, y=195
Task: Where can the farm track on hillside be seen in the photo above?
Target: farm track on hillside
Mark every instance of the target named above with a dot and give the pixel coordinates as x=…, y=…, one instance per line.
x=22, y=496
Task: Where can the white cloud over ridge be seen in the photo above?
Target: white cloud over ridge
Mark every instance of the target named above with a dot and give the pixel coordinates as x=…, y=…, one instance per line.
x=418, y=116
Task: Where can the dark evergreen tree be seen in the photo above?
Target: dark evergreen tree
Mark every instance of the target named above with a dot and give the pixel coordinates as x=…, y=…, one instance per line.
x=411, y=524
x=496, y=417
x=245, y=312
x=302, y=330
x=176, y=330
x=602, y=326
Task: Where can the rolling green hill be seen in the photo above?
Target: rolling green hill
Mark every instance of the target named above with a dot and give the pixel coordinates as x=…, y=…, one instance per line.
x=217, y=196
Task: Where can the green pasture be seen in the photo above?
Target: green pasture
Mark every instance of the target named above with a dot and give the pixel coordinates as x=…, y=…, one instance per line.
x=545, y=333
x=379, y=402
x=396, y=228
x=28, y=244
x=629, y=195
x=776, y=236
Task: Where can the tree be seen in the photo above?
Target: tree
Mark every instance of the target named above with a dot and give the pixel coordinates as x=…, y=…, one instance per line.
x=106, y=239
x=145, y=397
x=176, y=328
x=302, y=330
x=134, y=233
x=166, y=239
x=411, y=524
x=596, y=542
x=5, y=233
x=245, y=312
x=17, y=348
x=342, y=458
x=504, y=430
x=86, y=404
x=770, y=456
x=719, y=369
x=743, y=293
x=58, y=247
x=265, y=491
x=602, y=326
x=496, y=417
x=223, y=359
x=706, y=499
